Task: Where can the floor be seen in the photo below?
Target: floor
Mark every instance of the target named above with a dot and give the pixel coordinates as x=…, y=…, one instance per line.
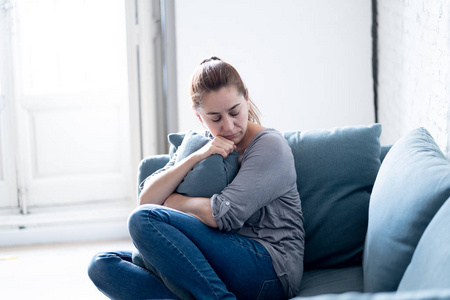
x=57, y=271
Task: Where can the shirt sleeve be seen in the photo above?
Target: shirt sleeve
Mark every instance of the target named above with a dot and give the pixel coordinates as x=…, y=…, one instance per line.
x=267, y=172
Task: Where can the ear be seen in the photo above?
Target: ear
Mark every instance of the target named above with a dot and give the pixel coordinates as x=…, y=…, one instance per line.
x=197, y=114
x=247, y=99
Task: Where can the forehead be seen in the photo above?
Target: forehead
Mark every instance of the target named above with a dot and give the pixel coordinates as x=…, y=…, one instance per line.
x=223, y=99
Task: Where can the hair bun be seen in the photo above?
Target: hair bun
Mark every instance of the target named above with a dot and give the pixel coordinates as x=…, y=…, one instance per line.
x=210, y=59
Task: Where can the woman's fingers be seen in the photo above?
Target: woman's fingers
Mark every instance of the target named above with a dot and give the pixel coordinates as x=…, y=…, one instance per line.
x=227, y=145
x=220, y=146
x=223, y=146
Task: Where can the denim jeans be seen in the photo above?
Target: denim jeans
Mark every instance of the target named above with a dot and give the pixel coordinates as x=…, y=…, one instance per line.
x=192, y=261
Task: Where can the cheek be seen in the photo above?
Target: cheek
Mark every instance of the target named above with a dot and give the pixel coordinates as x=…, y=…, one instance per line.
x=212, y=127
x=243, y=118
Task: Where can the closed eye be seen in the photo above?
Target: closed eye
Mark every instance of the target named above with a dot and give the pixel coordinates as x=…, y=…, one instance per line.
x=220, y=118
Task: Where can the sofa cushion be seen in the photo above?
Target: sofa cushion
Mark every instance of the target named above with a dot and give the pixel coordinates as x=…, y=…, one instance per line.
x=430, y=265
x=211, y=175
x=416, y=295
x=412, y=184
x=336, y=281
x=384, y=151
x=336, y=170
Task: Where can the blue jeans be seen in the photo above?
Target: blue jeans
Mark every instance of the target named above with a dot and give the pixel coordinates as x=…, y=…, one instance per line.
x=199, y=261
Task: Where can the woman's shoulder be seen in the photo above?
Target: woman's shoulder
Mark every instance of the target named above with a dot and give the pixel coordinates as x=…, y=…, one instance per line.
x=268, y=140
x=269, y=135
x=268, y=145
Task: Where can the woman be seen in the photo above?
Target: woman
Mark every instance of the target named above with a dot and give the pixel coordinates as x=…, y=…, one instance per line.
x=246, y=242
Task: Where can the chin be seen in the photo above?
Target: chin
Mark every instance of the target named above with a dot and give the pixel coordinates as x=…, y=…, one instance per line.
x=236, y=138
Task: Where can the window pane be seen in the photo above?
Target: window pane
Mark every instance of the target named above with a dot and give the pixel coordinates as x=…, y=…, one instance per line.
x=68, y=46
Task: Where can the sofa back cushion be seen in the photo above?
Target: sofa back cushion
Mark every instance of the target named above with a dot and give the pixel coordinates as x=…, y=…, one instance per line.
x=430, y=265
x=412, y=184
x=336, y=170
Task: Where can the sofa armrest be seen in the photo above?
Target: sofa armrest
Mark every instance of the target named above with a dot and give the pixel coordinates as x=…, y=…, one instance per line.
x=149, y=165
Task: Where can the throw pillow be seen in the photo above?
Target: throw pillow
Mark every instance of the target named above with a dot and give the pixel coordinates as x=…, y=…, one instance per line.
x=411, y=186
x=336, y=170
x=430, y=265
x=175, y=140
x=211, y=175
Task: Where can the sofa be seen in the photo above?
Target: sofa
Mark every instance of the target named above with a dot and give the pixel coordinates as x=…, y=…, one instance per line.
x=377, y=218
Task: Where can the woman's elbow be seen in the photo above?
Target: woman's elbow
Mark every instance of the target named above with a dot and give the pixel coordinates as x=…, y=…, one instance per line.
x=145, y=198
x=211, y=222
x=205, y=214
x=142, y=199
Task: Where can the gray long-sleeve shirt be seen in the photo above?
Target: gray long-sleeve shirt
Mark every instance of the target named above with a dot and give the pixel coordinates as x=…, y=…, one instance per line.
x=263, y=203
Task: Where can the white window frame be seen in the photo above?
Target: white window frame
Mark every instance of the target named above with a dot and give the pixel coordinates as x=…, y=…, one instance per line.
x=148, y=106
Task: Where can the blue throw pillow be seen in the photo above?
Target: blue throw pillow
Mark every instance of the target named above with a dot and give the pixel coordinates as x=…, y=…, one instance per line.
x=411, y=186
x=211, y=175
x=336, y=170
x=430, y=265
x=175, y=140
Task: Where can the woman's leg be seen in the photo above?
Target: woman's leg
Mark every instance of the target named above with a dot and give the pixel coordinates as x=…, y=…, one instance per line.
x=183, y=294
x=118, y=278
x=207, y=262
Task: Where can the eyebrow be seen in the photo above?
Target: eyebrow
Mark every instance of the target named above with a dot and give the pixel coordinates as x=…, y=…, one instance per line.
x=216, y=113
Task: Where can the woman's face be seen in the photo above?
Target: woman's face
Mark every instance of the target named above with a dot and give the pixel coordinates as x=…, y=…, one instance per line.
x=225, y=113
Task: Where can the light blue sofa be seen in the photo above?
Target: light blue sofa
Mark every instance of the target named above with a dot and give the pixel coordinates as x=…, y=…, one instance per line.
x=377, y=218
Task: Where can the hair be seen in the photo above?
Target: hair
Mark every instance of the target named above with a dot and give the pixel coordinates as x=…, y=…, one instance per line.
x=213, y=74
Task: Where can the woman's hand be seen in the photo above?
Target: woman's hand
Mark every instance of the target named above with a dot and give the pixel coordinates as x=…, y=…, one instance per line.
x=219, y=145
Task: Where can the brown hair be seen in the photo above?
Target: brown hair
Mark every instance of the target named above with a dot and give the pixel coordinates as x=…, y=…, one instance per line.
x=213, y=74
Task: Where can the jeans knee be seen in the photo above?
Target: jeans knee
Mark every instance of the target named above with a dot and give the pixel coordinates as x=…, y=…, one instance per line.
x=105, y=265
x=138, y=217
x=98, y=266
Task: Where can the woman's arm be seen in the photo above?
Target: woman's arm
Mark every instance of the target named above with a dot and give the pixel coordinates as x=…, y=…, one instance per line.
x=194, y=206
x=267, y=172
x=159, y=187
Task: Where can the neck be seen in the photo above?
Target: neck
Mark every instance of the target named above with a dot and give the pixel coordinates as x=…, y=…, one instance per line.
x=252, y=130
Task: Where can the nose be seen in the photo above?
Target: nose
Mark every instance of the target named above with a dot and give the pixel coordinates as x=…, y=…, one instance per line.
x=227, y=124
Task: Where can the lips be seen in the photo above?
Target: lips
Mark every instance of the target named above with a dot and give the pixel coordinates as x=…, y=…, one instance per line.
x=230, y=137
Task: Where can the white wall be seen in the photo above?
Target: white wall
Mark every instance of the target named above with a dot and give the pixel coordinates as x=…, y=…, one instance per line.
x=307, y=64
x=414, y=68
